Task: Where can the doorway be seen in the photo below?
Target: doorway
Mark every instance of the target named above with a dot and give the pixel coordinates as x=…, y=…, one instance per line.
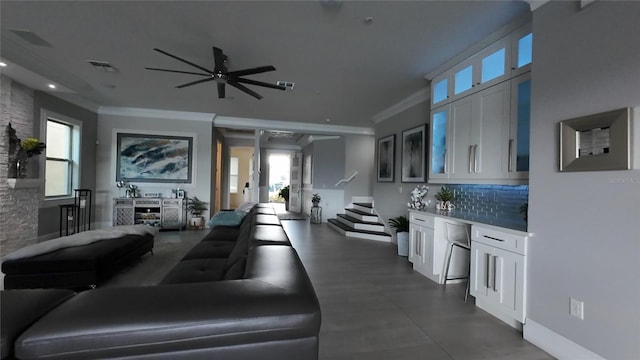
x=279, y=176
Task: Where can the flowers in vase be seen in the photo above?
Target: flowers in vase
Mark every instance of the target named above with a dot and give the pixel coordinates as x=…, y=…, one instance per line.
x=418, y=201
x=315, y=199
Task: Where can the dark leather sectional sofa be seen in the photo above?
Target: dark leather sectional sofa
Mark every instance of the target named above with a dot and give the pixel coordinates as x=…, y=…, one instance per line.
x=241, y=293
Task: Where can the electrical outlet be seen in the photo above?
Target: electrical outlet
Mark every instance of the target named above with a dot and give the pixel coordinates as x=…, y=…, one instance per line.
x=577, y=308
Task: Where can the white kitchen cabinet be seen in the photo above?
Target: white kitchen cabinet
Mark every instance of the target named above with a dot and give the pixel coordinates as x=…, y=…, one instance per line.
x=519, y=128
x=498, y=273
x=423, y=252
x=469, y=137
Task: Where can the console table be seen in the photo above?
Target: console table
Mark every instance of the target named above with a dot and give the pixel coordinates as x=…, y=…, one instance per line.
x=165, y=213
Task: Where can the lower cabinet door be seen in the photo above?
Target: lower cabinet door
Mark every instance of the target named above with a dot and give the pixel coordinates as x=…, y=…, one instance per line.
x=509, y=283
x=481, y=268
x=414, y=244
x=498, y=279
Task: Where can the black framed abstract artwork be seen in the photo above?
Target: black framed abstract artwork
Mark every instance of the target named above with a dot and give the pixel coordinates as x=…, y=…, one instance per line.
x=154, y=158
x=386, y=158
x=414, y=142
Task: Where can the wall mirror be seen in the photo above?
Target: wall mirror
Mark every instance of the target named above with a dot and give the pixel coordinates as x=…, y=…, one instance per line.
x=596, y=142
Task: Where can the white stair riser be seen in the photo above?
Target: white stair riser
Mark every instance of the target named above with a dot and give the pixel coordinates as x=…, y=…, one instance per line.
x=361, y=226
x=367, y=218
x=363, y=208
x=368, y=236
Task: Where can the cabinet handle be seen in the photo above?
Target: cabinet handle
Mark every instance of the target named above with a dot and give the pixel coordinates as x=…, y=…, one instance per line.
x=492, y=238
x=510, y=155
x=475, y=158
x=471, y=157
x=495, y=270
x=446, y=170
x=488, y=270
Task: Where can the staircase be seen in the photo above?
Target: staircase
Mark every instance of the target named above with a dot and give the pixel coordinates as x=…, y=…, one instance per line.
x=360, y=221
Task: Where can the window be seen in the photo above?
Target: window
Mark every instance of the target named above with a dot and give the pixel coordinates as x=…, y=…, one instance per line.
x=61, y=168
x=233, y=175
x=59, y=165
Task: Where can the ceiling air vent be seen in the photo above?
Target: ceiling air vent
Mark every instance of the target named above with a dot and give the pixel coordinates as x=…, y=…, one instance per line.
x=102, y=66
x=287, y=84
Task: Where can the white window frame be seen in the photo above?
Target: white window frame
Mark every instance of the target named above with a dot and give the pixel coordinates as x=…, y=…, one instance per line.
x=76, y=146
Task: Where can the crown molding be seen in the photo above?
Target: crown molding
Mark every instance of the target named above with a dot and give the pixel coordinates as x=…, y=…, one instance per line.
x=410, y=101
x=308, y=139
x=309, y=128
x=156, y=113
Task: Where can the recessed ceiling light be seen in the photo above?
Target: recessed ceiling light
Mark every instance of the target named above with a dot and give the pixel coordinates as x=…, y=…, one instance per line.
x=367, y=19
x=51, y=86
x=2, y=64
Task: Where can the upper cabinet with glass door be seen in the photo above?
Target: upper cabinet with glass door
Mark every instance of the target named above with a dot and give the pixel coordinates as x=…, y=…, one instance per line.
x=500, y=61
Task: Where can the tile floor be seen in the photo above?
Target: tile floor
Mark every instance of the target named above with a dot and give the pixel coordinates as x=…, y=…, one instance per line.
x=375, y=307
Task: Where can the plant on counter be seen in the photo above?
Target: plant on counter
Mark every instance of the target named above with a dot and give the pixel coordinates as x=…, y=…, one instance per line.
x=524, y=211
x=444, y=194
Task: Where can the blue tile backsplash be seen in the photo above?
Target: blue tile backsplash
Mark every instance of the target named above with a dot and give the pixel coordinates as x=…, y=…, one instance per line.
x=490, y=200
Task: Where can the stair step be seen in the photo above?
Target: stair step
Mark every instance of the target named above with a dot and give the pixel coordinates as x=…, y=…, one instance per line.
x=361, y=215
x=362, y=234
x=365, y=207
x=360, y=225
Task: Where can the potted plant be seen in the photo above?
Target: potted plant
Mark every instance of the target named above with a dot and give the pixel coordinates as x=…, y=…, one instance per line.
x=315, y=199
x=401, y=224
x=284, y=193
x=444, y=198
x=196, y=207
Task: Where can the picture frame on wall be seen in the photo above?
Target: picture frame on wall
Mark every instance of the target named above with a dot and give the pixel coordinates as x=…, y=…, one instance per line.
x=414, y=154
x=386, y=156
x=154, y=158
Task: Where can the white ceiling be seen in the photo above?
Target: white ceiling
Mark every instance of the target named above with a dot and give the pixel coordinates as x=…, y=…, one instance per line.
x=344, y=68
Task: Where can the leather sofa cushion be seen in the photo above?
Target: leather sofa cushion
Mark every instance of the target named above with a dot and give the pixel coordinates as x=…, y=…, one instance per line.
x=275, y=302
x=210, y=249
x=196, y=270
x=268, y=235
x=263, y=219
x=21, y=308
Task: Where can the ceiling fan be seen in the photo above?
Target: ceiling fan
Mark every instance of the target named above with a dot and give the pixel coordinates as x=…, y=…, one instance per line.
x=221, y=75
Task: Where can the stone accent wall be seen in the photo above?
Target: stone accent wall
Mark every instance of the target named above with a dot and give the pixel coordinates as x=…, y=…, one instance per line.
x=18, y=207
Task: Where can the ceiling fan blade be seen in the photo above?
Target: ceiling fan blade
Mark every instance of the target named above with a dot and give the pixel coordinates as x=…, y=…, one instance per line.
x=195, y=82
x=178, y=71
x=244, y=88
x=259, y=83
x=183, y=60
x=220, y=90
x=252, y=71
x=218, y=58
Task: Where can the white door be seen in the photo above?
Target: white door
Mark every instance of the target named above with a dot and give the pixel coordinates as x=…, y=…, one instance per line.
x=295, y=191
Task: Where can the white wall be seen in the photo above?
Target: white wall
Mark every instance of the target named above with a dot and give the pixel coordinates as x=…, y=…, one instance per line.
x=110, y=125
x=360, y=157
x=585, y=241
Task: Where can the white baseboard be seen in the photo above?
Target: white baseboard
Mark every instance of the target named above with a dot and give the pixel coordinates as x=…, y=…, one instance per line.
x=556, y=344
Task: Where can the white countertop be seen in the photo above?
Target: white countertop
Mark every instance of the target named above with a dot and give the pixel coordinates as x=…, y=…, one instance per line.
x=512, y=223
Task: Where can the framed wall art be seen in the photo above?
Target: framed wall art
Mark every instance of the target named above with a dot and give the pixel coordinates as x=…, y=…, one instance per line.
x=596, y=142
x=386, y=158
x=154, y=158
x=414, y=144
